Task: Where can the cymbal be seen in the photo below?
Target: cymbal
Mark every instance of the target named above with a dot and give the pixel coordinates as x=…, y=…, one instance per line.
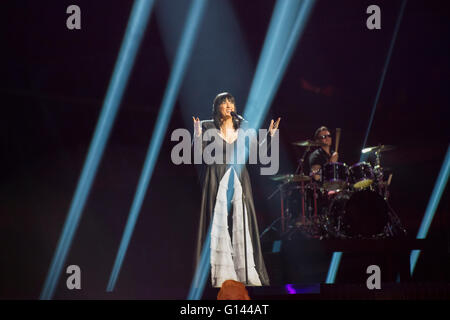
x=309, y=143
x=291, y=177
x=380, y=148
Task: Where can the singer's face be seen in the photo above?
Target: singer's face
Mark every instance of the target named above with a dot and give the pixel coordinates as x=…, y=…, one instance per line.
x=325, y=137
x=226, y=108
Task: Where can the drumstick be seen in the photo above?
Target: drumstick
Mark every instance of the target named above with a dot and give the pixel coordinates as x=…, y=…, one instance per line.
x=389, y=180
x=338, y=137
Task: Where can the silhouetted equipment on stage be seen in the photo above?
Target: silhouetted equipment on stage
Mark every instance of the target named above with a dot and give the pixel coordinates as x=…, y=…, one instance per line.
x=346, y=202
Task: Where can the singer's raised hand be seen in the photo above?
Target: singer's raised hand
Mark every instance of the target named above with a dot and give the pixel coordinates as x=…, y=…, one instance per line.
x=274, y=126
x=197, y=126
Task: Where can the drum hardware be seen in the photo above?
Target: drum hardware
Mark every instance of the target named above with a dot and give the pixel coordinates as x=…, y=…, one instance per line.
x=271, y=227
x=280, y=189
x=301, y=208
x=383, y=187
x=379, y=171
x=303, y=201
x=309, y=143
x=352, y=204
x=291, y=178
x=287, y=179
x=299, y=169
x=363, y=211
x=399, y=229
x=379, y=148
x=362, y=214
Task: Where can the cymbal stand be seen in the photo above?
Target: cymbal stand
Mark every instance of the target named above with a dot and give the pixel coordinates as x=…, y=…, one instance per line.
x=399, y=229
x=379, y=173
x=315, y=199
x=303, y=202
x=302, y=161
x=280, y=189
x=300, y=170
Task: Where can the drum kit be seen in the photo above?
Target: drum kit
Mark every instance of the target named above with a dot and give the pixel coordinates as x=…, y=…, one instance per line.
x=339, y=201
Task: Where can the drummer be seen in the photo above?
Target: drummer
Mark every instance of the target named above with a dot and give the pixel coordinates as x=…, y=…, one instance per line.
x=322, y=155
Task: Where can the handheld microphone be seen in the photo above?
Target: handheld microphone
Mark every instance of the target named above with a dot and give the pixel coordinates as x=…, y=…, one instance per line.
x=235, y=115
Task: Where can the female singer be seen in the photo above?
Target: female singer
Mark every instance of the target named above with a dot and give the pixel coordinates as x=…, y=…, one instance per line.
x=227, y=203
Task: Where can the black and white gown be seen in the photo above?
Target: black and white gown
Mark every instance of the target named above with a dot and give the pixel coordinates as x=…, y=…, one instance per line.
x=226, y=198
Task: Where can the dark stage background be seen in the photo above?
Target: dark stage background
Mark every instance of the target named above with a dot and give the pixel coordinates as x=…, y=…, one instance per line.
x=54, y=81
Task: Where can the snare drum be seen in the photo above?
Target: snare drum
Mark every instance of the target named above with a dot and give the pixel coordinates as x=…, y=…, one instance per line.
x=361, y=175
x=334, y=176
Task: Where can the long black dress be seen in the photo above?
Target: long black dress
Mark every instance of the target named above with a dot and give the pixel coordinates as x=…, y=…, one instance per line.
x=213, y=187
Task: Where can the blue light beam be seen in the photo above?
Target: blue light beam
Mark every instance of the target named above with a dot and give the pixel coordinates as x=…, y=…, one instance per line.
x=334, y=266
x=383, y=75
x=439, y=188
x=137, y=23
x=276, y=55
x=287, y=24
x=173, y=87
x=287, y=21
x=202, y=271
x=273, y=46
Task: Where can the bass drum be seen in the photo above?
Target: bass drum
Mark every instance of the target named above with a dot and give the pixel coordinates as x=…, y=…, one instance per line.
x=362, y=214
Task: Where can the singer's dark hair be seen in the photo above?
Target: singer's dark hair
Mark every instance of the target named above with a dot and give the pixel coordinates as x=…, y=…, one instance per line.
x=322, y=128
x=221, y=97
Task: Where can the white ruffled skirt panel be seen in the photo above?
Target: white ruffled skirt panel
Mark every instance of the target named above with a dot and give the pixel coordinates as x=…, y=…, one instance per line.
x=228, y=254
